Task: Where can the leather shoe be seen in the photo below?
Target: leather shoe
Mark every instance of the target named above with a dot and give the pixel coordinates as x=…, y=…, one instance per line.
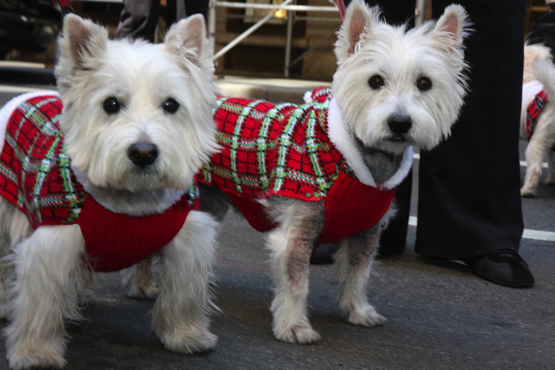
x=504, y=267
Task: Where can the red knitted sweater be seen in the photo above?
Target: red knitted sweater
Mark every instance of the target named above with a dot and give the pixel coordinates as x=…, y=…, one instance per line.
x=284, y=150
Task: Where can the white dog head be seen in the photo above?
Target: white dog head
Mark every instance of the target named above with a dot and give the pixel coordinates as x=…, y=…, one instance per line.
x=395, y=87
x=137, y=116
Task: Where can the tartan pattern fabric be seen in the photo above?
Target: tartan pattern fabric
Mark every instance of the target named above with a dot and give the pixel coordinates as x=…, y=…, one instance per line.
x=533, y=111
x=284, y=150
x=35, y=171
x=274, y=149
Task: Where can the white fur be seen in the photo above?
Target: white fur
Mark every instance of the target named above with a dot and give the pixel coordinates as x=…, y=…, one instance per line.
x=543, y=138
x=289, y=306
x=47, y=263
x=367, y=47
x=340, y=137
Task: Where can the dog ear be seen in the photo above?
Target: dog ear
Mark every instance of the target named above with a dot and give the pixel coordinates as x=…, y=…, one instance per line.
x=188, y=39
x=358, y=20
x=452, y=26
x=82, y=40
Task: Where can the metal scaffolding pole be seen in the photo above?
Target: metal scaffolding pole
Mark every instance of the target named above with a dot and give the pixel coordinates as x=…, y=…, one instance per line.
x=254, y=27
x=288, y=41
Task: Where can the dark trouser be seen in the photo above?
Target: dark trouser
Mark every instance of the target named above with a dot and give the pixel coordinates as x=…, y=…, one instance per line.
x=469, y=199
x=139, y=18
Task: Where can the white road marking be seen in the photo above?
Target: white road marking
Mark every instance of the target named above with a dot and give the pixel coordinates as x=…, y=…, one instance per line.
x=527, y=234
x=522, y=163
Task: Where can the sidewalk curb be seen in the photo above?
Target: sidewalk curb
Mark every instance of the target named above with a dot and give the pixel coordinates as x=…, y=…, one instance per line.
x=27, y=76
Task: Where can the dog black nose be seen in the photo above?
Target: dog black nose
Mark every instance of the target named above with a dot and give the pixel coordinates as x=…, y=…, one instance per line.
x=399, y=123
x=142, y=154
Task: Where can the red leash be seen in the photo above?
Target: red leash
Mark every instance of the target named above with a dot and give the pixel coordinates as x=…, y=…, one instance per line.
x=67, y=9
x=341, y=7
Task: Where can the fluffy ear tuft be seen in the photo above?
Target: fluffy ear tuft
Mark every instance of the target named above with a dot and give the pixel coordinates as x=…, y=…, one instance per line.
x=358, y=20
x=452, y=27
x=82, y=39
x=188, y=38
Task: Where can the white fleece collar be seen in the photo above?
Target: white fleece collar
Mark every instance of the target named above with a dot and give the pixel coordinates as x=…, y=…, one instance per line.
x=345, y=143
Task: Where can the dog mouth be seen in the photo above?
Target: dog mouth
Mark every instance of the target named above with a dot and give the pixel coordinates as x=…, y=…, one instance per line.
x=143, y=171
x=397, y=138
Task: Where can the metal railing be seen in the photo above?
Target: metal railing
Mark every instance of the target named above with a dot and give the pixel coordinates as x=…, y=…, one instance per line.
x=291, y=9
x=286, y=5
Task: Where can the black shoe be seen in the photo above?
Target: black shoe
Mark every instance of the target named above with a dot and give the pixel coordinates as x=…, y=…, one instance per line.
x=386, y=250
x=322, y=254
x=504, y=267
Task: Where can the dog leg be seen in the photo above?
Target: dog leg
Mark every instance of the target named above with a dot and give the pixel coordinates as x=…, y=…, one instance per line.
x=180, y=314
x=354, y=261
x=551, y=168
x=140, y=280
x=14, y=228
x=540, y=144
x=534, y=156
x=48, y=271
x=291, y=245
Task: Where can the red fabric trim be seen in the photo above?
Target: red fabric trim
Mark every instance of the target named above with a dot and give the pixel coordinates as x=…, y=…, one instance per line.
x=252, y=210
x=116, y=241
x=352, y=207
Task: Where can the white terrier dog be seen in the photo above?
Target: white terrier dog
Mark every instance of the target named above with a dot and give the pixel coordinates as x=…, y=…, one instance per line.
x=137, y=126
x=326, y=171
x=537, y=120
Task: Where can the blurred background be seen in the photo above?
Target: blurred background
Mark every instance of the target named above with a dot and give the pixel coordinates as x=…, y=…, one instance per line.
x=301, y=48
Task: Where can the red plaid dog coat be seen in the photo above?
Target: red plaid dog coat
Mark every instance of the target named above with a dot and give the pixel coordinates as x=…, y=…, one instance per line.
x=36, y=177
x=533, y=110
x=284, y=150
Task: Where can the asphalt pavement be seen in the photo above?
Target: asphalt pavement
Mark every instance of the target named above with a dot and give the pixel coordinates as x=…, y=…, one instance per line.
x=440, y=315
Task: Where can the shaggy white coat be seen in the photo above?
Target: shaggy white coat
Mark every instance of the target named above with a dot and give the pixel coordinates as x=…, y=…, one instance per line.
x=44, y=268
x=543, y=138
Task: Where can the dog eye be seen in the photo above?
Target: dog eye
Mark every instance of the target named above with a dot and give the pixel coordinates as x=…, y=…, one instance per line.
x=424, y=84
x=111, y=105
x=375, y=82
x=170, y=106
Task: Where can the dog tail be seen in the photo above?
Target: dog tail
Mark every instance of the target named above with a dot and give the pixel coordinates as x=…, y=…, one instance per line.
x=544, y=71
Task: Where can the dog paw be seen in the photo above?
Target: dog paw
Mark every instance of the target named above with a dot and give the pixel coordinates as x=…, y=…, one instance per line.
x=147, y=291
x=299, y=333
x=527, y=193
x=549, y=181
x=189, y=341
x=24, y=359
x=366, y=316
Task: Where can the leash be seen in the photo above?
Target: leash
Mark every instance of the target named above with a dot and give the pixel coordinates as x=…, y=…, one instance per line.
x=67, y=9
x=341, y=7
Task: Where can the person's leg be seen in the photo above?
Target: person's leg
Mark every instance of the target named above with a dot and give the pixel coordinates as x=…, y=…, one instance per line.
x=469, y=199
x=138, y=19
